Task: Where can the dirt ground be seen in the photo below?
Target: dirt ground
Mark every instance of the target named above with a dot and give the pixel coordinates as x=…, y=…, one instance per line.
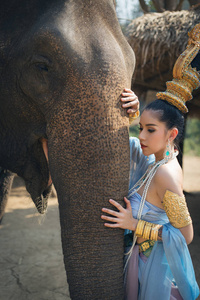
x=31, y=262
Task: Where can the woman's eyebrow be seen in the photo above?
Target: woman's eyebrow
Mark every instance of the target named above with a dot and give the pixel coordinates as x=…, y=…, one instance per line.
x=149, y=124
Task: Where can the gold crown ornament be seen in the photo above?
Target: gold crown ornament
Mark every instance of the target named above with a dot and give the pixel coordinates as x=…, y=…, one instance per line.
x=185, y=77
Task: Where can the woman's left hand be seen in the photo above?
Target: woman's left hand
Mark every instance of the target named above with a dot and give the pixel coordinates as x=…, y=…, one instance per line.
x=130, y=101
x=121, y=219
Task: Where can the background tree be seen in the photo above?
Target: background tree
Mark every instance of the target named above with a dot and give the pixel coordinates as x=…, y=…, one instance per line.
x=163, y=5
x=127, y=10
x=158, y=37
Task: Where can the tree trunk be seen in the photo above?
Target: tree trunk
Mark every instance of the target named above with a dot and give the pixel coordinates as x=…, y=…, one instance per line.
x=144, y=6
x=194, y=2
x=171, y=5
x=179, y=5
x=159, y=5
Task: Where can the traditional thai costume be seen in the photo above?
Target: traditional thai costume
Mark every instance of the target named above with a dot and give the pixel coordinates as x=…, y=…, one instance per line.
x=161, y=269
x=166, y=272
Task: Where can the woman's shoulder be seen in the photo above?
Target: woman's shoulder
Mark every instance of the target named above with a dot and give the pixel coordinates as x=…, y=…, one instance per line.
x=169, y=177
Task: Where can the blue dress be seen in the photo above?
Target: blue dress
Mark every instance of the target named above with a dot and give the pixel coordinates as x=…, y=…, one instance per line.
x=169, y=262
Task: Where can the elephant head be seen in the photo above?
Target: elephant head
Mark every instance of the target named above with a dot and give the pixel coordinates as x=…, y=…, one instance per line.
x=64, y=64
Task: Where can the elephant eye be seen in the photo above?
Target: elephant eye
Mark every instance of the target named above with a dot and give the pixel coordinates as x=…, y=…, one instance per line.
x=42, y=67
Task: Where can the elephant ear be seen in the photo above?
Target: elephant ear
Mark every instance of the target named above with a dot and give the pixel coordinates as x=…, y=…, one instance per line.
x=22, y=153
x=6, y=179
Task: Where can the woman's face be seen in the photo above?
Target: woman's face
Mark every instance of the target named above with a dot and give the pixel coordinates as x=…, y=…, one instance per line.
x=153, y=135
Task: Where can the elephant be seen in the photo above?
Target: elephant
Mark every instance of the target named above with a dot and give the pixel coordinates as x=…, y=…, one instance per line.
x=64, y=65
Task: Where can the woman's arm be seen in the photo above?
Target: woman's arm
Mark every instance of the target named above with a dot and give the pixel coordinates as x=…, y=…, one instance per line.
x=169, y=190
x=188, y=233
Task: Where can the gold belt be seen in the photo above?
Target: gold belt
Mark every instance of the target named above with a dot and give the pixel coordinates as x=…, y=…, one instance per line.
x=146, y=245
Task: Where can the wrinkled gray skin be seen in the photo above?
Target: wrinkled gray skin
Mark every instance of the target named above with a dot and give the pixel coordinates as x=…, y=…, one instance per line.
x=63, y=66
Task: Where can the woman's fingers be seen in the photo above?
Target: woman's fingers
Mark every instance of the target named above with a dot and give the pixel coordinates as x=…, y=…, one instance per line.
x=131, y=111
x=110, y=219
x=128, y=203
x=128, y=90
x=134, y=103
x=132, y=95
x=116, y=204
x=128, y=97
x=130, y=101
x=110, y=212
x=111, y=225
x=119, y=219
x=114, y=214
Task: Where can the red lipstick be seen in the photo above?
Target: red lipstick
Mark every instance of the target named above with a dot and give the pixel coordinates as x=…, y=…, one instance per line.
x=143, y=146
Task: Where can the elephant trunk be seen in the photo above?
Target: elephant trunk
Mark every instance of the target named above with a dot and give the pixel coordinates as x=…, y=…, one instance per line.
x=91, y=168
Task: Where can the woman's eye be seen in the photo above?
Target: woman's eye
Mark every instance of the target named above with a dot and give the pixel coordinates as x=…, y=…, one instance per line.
x=151, y=130
x=140, y=128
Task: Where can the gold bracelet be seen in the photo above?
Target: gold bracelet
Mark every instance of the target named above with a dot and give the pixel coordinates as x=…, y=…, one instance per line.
x=154, y=233
x=140, y=228
x=150, y=224
x=133, y=117
x=147, y=230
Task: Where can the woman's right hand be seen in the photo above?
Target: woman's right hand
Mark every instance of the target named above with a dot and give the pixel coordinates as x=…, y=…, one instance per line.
x=122, y=219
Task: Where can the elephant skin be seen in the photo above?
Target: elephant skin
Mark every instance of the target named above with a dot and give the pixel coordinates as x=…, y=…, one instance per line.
x=64, y=65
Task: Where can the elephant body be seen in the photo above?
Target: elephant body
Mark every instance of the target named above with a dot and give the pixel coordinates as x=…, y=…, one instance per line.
x=64, y=65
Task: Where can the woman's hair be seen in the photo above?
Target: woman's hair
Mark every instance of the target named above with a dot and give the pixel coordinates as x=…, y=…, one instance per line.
x=170, y=115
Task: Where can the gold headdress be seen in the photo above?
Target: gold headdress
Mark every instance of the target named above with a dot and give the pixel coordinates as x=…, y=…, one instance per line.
x=185, y=77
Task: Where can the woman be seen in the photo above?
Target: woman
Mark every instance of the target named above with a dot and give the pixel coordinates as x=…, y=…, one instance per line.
x=158, y=264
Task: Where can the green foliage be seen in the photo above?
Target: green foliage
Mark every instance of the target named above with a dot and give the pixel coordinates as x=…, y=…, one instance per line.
x=151, y=6
x=192, y=137
x=134, y=130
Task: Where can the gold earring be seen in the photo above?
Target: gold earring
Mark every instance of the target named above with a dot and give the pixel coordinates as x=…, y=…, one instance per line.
x=168, y=151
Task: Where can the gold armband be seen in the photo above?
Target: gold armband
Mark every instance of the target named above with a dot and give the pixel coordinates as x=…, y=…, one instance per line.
x=176, y=209
x=133, y=117
x=147, y=230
